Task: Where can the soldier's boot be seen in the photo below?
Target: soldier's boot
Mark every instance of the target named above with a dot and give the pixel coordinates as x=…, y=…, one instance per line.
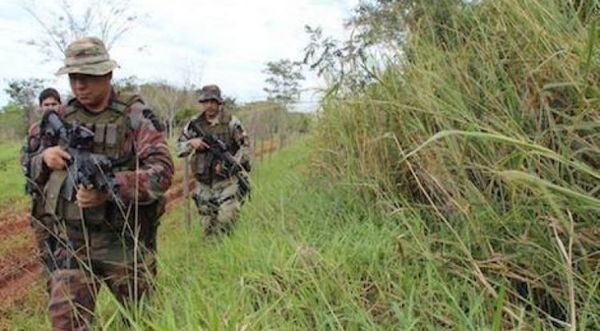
x=208, y=223
x=228, y=215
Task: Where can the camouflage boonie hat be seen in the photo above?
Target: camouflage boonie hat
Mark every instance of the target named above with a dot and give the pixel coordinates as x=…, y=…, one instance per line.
x=87, y=56
x=210, y=92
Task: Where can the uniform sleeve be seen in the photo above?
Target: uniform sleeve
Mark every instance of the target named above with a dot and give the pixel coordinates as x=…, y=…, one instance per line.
x=31, y=157
x=154, y=174
x=242, y=156
x=184, y=148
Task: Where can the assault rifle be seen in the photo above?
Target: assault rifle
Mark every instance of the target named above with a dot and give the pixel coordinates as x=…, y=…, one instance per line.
x=219, y=150
x=92, y=171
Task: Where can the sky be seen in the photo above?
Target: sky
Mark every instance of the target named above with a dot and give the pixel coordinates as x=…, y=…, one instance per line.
x=223, y=42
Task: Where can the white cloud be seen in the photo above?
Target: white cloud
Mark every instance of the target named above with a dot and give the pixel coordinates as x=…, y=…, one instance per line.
x=225, y=42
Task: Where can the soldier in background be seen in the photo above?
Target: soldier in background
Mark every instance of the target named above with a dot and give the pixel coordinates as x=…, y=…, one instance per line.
x=49, y=99
x=104, y=237
x=218, y=193
x=44, y=228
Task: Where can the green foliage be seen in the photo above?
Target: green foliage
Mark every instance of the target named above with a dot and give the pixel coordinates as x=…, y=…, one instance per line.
x=167, y=101
x=12, y=123
x=264, y=119
x=12, y=185
x=129, y=85
x=380, y=29
x=283, y=81
x=24, y=92
x=487, y=129
x=184, y=115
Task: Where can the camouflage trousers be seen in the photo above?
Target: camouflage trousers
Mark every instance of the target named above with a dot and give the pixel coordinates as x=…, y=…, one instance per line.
x=86, y=259
x=219, y=205
x=44, y=231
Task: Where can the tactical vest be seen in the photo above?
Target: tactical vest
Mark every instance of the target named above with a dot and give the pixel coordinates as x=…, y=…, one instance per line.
x=111, y=129
x=203, y=163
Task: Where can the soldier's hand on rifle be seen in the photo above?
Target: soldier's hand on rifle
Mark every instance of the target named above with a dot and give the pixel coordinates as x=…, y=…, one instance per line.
x=87, y=198
x=56, y=158
x=199, y=144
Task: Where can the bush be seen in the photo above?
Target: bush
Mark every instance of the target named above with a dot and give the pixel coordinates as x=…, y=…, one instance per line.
x=12, y=123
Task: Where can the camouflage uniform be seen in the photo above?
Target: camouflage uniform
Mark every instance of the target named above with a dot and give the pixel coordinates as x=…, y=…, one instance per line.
x=103, y=244
x=217, y=195
x=43, y=225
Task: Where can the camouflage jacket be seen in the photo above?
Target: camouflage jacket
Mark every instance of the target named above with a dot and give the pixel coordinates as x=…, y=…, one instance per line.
x=32, y=147
x=146, y=142
x=228, y=129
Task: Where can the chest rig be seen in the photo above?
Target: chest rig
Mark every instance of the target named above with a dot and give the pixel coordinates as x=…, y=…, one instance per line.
x=203, y=164
x=111, y=131
x=110, y=127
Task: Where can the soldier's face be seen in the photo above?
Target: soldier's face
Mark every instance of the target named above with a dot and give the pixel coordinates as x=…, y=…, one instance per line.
x=210, y=108
x=91, y=91
x=49, y=103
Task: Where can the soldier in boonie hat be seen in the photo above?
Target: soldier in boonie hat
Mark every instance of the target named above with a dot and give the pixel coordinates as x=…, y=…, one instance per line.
x=97, y=238
x=87, y=56
x=210, y=92
x=222, y=186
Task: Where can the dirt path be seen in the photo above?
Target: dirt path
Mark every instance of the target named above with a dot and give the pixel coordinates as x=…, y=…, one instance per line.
x=12, y=222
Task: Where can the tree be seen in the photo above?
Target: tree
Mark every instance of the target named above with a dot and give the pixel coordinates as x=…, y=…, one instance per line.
x=23, y=94
x=12, y=126
x=167, y=101
x=343, y=63
x=109, y=20
x=283, y=83
x=377, y=26
x=127, y=85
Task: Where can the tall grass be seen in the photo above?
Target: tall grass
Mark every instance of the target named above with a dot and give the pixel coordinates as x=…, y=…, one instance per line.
x=488, y=132
x=12, y=182
x=307, y=255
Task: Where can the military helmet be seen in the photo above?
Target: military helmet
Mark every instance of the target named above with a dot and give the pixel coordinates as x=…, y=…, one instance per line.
x=87, y=56
x=210, y=92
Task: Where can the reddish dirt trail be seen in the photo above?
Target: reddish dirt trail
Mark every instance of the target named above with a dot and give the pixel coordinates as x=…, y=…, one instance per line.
x=19, y=281
x=19, y=266
x=12, y=222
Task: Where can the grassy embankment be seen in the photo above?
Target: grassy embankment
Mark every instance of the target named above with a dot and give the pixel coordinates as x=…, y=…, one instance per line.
x=487, y=130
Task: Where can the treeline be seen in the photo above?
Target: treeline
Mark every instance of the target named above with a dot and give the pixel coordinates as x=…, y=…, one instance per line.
x=173, y=105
